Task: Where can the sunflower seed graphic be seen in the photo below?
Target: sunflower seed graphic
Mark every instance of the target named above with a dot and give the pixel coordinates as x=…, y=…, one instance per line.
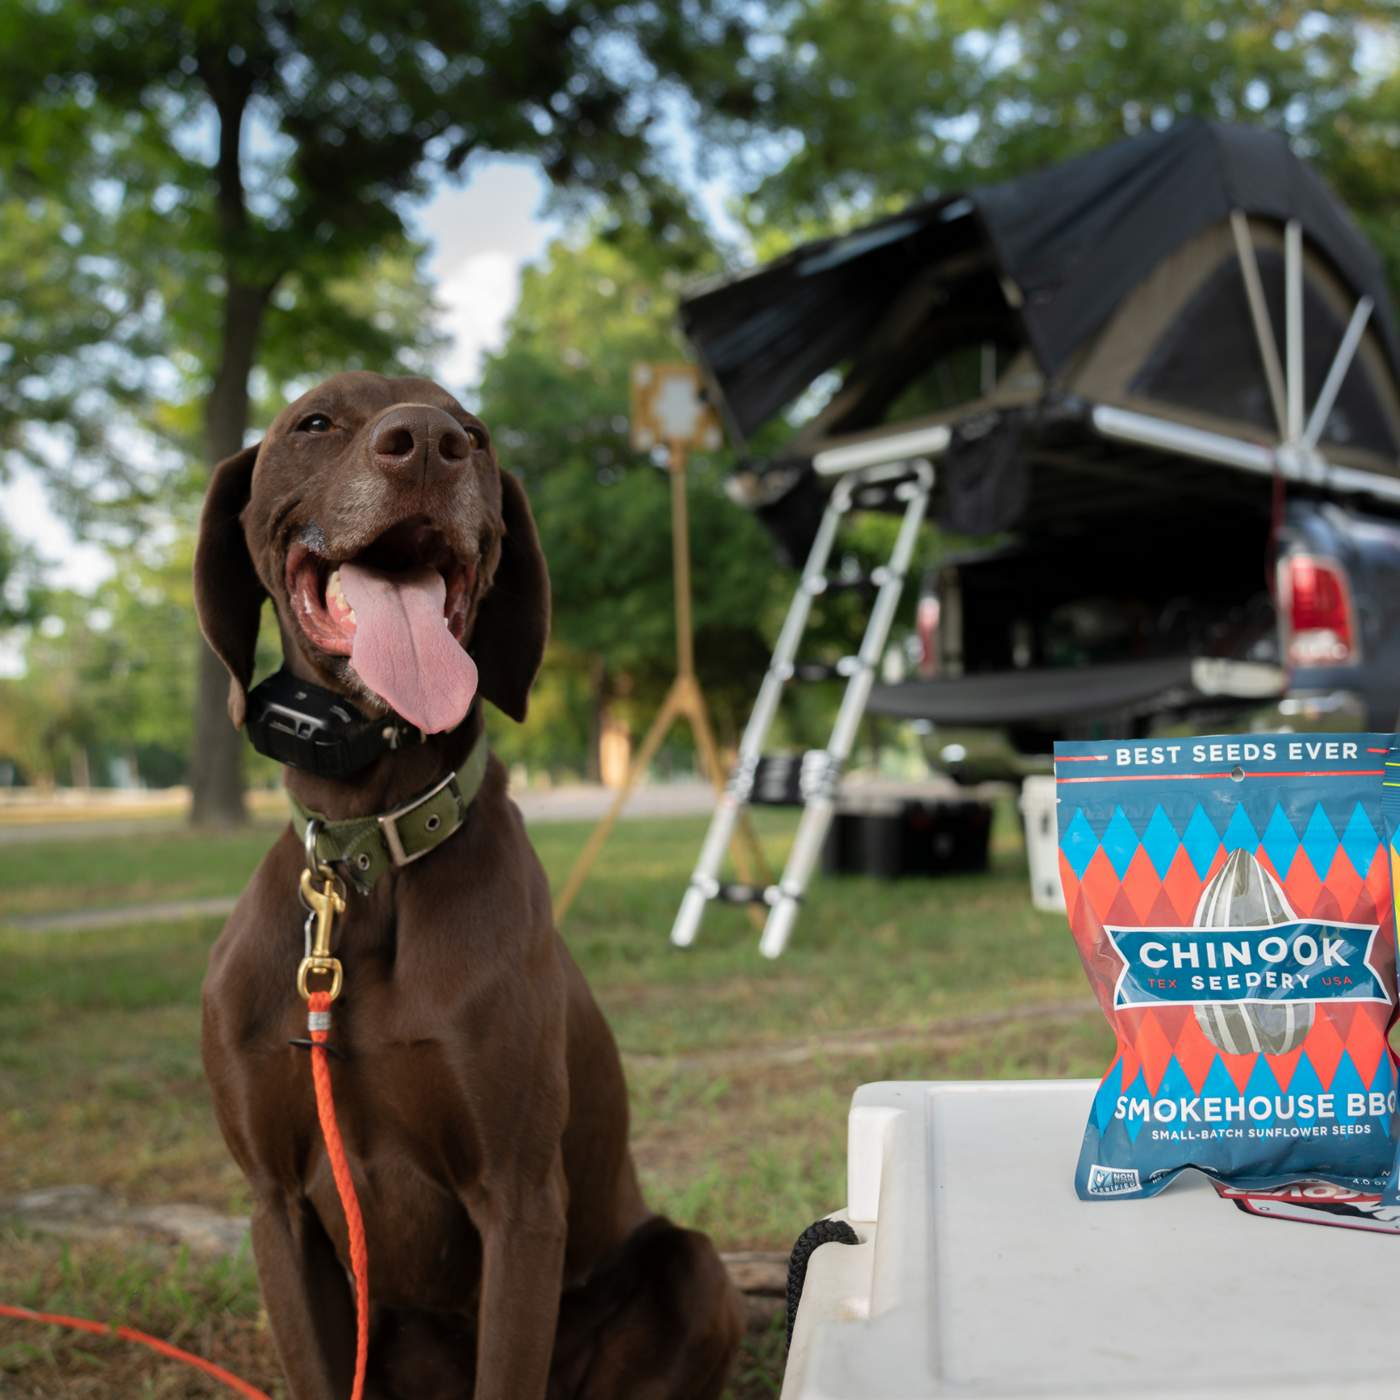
x=1241, y=895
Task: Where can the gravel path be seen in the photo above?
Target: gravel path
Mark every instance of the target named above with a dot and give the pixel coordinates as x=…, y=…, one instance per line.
x=576, y=802
x=73, y=920
x=562, y=804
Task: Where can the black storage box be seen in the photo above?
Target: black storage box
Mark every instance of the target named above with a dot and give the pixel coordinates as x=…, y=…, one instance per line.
x=894, y=837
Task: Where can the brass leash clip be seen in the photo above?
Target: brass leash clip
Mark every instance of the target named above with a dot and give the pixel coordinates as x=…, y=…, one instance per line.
x=324, y=903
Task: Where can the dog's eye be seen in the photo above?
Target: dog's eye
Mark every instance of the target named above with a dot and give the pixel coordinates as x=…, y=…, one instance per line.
x=476, y=437
x=315, y=423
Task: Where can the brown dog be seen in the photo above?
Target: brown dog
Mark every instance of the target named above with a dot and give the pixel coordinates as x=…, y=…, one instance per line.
x=479, y=1091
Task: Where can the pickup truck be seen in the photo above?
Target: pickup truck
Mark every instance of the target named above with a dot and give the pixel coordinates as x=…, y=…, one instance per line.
x=1158, y=384
x=1201, y=626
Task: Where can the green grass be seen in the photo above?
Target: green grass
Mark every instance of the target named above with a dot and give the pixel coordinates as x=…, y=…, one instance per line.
x=208, y=1307
x=740, y=1069
x=44, y=877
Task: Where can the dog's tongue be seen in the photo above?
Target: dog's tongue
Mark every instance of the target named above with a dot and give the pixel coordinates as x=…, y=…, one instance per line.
x=403, y=650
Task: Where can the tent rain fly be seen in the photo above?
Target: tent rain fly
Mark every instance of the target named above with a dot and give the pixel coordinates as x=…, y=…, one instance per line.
x=1197, y=294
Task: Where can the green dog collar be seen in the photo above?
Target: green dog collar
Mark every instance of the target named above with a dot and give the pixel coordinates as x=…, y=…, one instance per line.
x=368, y=846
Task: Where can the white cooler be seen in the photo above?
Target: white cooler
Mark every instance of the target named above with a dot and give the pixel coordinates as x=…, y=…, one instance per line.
x=1038, y=812
x=979, y=1273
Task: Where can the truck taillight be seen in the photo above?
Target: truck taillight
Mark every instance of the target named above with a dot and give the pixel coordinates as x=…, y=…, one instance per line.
x=926, y=627
x=1317, y=612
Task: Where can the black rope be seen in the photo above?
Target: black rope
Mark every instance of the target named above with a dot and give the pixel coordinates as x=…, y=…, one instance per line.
x=813, y=1237
x=305, y=1044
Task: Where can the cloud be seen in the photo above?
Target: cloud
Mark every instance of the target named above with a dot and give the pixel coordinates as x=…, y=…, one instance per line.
x=477, y=298
x=482, y=233
x=497, y=210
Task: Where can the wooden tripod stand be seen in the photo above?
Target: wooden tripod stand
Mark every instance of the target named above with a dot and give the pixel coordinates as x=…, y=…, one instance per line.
x=683, y=700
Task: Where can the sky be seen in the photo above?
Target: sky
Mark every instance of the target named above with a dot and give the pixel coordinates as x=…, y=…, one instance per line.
x=482, y=233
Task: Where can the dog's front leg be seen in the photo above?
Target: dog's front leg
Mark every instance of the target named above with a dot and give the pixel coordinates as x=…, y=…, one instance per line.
x=522, y=1230
x=308, y=1300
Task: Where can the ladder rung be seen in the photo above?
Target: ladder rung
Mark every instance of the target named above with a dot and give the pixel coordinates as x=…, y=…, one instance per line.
x=777, y=781
x=851, y=583
x=789, y=780
x=760, y=798
x=884, y=497
x=741, y=894
x=820, y=670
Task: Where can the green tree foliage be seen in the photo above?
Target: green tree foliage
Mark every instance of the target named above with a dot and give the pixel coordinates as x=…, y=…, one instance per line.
x=557, y=396
x=202, y=206
x=106, y=692
x=106, y=676
x=21, y=581
x=1357, y=150
x=887, y=100
x=108, y=679
x=247, y=160
x=59, y=306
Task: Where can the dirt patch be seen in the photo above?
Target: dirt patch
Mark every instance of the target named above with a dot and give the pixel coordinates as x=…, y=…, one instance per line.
x=87, y=1213
x=93, y=1216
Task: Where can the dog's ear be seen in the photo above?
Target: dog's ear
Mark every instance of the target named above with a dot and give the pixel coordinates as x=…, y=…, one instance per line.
x=512, y=624
x=228, y=594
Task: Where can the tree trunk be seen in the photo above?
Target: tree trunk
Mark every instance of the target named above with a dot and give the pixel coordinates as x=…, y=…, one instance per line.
x=216, y=766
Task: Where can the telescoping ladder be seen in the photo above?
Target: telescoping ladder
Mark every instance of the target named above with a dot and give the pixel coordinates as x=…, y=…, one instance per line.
x=910, y=483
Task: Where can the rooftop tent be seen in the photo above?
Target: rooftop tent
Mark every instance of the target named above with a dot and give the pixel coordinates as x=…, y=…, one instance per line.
x=1133, y=286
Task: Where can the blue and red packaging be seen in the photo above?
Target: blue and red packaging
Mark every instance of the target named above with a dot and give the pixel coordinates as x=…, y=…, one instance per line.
x=1231, y=900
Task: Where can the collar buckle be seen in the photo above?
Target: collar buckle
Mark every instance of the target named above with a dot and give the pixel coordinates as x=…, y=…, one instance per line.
x=389, y=821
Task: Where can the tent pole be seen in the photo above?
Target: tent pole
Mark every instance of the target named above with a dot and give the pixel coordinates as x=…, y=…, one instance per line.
x=1259, y=314
x=1293, y=285
x=1331, y=386
x=1123, y=425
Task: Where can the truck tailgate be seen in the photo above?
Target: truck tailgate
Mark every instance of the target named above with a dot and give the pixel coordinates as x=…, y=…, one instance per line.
x=1044, y=696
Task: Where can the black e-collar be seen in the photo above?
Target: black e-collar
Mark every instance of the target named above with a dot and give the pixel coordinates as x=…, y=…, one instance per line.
x=308, y=727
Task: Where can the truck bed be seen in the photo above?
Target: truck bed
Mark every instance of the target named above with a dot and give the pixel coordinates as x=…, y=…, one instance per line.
x=1058, y=695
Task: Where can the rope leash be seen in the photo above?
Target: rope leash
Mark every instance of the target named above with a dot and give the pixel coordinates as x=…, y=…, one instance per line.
x=318, y=1023
x=324, y=904
x=131, y=1334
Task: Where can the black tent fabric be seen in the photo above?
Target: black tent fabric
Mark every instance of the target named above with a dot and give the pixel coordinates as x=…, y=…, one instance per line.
x=1071, y=242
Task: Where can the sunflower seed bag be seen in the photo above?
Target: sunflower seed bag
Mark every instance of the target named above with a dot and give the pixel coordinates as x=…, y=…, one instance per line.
x=1390, y=812
x=1231, y=901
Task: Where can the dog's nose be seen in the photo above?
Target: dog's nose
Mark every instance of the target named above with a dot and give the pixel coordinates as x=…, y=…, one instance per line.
x=414, y=436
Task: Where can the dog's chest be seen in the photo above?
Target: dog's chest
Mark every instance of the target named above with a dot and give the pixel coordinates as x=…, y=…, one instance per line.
x=413, y=1141
x=425, y=1250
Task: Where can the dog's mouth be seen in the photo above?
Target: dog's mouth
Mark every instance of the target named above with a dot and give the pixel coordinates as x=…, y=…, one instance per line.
x=398, y=610
x=406, y=556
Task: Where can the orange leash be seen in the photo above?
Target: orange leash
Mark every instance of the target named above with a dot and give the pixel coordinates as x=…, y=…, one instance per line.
x=319, y=1024
x=324, y=904
x=130, y=1334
